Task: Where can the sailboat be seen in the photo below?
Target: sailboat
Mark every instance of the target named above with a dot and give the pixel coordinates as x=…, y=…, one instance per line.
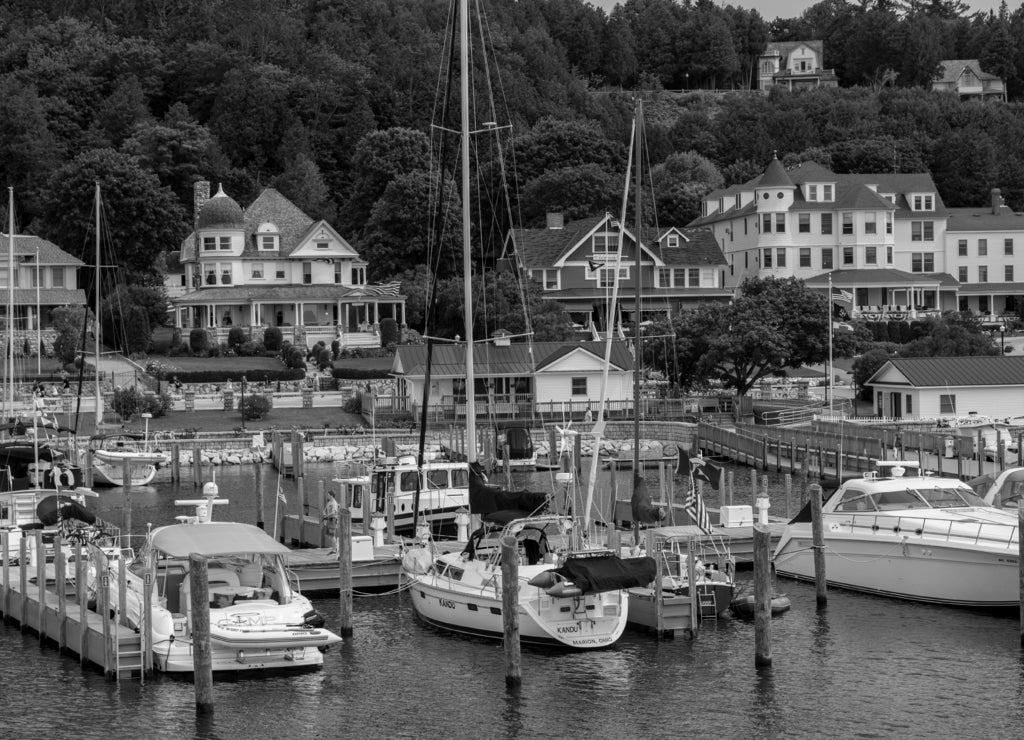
x=570, y=594
x=39, y=487
x=671, y=544
x=111, y=453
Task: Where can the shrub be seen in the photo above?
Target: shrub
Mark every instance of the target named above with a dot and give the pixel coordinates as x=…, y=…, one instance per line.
x=27, y=348
x=236, y=337
x=249, y=349
x=199, y=341
x=389, y=334
x=255, y=406
x=178, y=350
x=323, y=360
x=335, y=349
x=127, y=402
x=272, y=339
x=359, y=373
x=156, y=404
x=354, y=405
x=296, y=359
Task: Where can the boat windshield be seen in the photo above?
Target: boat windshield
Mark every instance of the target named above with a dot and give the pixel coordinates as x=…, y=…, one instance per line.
x=947, y=497
x=934, y=497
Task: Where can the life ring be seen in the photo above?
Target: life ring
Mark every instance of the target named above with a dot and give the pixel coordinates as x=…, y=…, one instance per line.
x=64, y=477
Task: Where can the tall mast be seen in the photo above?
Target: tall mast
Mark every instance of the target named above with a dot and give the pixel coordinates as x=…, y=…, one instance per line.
x=467, y=266
x=10, y=304
x=96, y=316
x=636, y=283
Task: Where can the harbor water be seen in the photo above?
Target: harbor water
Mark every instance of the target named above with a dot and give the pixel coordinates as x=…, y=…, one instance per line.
x=864, y=667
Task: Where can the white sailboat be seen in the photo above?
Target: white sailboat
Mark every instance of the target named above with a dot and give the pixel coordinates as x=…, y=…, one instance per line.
x=111, y=453
x=570, y=594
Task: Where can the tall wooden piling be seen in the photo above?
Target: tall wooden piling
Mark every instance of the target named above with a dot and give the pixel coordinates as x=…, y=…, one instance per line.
x=202, y=657
x=260, y=505
x=510, y=610
x=753, y=487
x=345, y=571
x=818, y=544
x=197, y=466
x=691, y=575
x=60, y=579
x=762, y=597
x=126, y=492
x=23, y=580
x=300, y=488
x=321, y=497
x=176, y=462
x=88, y=472
x=81, y=595
x=659, y=603
x=5, y=543
x=40, y=558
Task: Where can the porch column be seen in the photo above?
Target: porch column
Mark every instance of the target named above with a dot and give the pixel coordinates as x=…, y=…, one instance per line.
x=298, y=315
x=403, y=313
x=177, y=317
x=339, y=314
x=376, y=313
x=345, y=325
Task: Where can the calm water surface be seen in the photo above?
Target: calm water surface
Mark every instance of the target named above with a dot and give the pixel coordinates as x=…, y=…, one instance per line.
x=866, y=667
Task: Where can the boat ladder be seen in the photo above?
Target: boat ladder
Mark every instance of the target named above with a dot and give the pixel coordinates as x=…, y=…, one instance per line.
x=707, y=604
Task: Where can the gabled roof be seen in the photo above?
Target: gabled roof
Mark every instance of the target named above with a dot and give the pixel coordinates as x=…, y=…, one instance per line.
x=545, y=248
x=48, y=297
x=952, y=372
x=516, y=358
x=26, y=245
x=293, y=226
x=785, y=48
x=861, y=197
x=950, y=70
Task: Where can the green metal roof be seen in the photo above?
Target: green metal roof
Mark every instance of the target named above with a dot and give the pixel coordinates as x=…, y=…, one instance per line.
x=515, y=359
x=939, y=372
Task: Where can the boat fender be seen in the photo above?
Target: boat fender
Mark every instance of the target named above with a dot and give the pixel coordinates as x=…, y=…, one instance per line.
x=546, y=579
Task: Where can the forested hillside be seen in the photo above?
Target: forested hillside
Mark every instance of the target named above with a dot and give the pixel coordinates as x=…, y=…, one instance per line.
x=330, y=101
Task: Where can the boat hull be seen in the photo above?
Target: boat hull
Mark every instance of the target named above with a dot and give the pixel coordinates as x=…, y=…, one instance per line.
x=907, y=566
x=113, y=474
x=592, y=621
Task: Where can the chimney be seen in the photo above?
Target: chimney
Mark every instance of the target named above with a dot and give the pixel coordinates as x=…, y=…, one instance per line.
x=556, y=220
x=997, y=201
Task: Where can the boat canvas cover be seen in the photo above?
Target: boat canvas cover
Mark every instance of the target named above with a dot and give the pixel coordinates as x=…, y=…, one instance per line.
x=215, y=538
x=517, y=439
x=54, y=508
x=609, y=573
x=486, y=498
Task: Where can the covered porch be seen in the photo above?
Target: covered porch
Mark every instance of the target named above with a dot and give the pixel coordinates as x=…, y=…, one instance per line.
x=890, y=295
x=313, y=312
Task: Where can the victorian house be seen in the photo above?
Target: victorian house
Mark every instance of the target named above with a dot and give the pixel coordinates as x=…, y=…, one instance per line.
x=966, y=78
x=794, y=65
x=45, y=277
x=575, y=264
x=272, y=265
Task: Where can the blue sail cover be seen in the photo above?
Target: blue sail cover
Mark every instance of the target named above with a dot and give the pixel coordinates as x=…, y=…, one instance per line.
x=486, y=498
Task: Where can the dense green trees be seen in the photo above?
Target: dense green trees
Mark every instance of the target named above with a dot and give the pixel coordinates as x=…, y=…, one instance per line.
x=332, y=103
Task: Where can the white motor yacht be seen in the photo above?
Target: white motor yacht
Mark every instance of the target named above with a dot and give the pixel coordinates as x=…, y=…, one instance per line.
x=900, y=532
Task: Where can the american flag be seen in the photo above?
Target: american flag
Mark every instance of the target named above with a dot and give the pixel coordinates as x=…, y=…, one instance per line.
x=694, y=506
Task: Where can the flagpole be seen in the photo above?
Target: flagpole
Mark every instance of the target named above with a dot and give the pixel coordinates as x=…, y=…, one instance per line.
x=828, y=387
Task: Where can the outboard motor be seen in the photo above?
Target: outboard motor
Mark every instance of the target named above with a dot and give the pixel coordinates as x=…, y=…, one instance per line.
x=313, y=619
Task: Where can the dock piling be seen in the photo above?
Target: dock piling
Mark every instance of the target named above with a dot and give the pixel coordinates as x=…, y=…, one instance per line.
x=345, y=571
x=510, y=610
x=260, y=506
x=202, y=658
x=762, y=598
x=818, y=544
x=126, y=490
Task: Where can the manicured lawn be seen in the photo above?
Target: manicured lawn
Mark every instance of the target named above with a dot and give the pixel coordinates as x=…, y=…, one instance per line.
x=219, y=421
x=366, y=363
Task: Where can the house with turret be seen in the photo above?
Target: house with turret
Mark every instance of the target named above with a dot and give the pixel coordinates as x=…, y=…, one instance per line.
x=271, y=264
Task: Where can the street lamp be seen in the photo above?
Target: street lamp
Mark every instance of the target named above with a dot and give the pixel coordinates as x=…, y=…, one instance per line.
x=147, y=416
x=241, y=404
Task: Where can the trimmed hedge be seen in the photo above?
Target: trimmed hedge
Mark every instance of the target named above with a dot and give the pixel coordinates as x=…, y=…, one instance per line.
x=234, y=375
x=359, y=373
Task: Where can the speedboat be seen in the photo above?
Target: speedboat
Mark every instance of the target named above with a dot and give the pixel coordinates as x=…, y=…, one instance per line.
x=111, y=451
x=258, y=619
x=901, y=532
x=714, y=570
x=572, y=598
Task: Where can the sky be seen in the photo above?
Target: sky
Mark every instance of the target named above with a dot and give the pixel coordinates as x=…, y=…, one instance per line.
x=772, y=9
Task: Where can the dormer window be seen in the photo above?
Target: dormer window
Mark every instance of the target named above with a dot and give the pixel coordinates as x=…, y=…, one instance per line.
x=268, y=238
x=924, y=202
x=605, y=243
x=672, y=241
x=812, y=192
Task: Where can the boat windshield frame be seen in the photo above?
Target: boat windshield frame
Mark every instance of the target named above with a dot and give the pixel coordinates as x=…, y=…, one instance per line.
x=857, y=500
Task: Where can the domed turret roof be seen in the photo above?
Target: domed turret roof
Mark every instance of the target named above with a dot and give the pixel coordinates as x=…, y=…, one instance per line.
x=221, y=212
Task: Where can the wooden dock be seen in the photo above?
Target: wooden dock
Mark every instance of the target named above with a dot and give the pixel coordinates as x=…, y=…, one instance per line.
x=57, y=610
